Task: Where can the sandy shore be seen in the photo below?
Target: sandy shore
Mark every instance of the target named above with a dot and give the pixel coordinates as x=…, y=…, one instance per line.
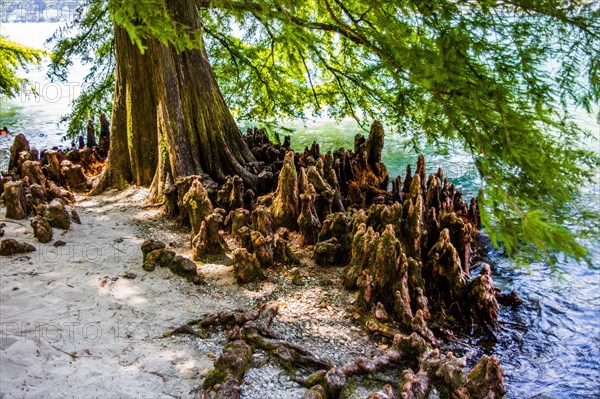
x=74, y=324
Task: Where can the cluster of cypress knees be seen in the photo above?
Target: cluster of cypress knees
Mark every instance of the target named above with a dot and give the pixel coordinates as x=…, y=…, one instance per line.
x=407, y=251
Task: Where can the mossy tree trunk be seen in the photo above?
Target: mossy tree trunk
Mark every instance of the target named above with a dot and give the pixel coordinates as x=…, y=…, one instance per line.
x=169, y=117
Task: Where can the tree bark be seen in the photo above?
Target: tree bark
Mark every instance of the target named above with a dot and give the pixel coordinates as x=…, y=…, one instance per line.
x=169, y=117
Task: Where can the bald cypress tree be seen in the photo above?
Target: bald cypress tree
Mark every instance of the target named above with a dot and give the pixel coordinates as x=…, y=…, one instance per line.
x=498, y=76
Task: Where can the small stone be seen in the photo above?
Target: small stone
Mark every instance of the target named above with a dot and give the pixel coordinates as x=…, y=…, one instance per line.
x=151, y=245
x=185, y=267
x=59, y=243
x=159, y=257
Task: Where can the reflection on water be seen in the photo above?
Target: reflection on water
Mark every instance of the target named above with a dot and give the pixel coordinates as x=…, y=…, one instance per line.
x=549, y=347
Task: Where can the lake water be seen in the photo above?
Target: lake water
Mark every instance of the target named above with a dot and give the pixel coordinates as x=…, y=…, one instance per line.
x=549, y=347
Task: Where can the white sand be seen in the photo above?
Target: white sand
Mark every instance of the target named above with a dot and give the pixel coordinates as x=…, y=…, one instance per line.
x=74, y=299
x=65, y=299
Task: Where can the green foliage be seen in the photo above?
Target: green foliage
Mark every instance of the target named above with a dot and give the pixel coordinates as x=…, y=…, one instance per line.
x=15, y=56
x=499, y=76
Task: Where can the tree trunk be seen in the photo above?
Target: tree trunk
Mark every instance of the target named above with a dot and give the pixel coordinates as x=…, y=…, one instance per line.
x=169, y=117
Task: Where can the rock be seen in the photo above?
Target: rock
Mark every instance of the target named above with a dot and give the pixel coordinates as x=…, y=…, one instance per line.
x=15, y=200
x=197, y=204
x=41, y=229
x=246, y=267
x=149, y=246
x=59, y=243
x=158, y=257
x=10, y=246
x=57, y=215
x=285, y=209
x=185, y=267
